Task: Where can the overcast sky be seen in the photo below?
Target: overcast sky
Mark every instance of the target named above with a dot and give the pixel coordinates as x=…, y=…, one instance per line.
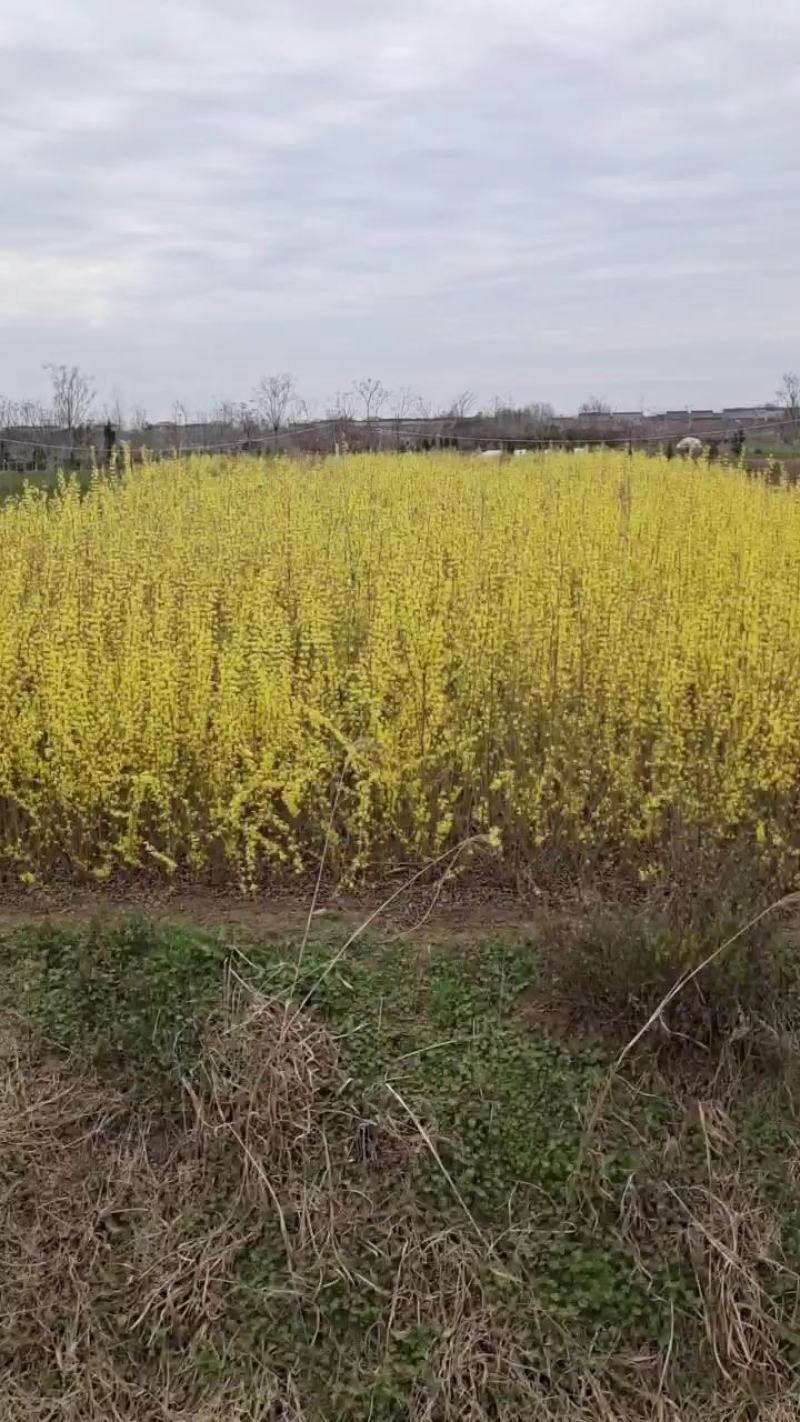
x=543, y=201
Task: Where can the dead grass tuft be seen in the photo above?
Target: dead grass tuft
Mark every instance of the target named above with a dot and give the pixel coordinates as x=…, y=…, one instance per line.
x=124, y=1220
x=734, y=1242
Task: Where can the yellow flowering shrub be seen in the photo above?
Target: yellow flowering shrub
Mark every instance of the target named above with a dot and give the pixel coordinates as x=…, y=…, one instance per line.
x=586, y=657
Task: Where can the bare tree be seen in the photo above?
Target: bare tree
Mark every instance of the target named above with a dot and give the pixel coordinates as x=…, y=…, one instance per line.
x=23, y=414
x=11, y=413
x=222, y=413
x=113, y=412
x=373, y=396
x=343, y=407
x=406, y=406
x=33, y=412
x=462, y=406
x=594, y=406
x=219, y=419
x=540, y=412
x=139, y=420
x=245, y=418
x=276, y=400
x=240, y=416
x=788, y=397
x=501, y=405
x=178, y=420
x=73, y=395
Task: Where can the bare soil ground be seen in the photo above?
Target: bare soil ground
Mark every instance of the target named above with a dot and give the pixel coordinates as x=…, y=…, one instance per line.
x=417, y=914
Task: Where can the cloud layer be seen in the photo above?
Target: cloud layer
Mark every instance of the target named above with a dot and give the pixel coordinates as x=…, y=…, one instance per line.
x=537, y=201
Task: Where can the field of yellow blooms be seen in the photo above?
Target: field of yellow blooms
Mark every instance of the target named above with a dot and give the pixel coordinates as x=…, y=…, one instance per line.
x=593, y=659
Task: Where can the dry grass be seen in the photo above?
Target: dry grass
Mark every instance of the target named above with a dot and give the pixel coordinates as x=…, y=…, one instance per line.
x=124, y=1220
x=131, y=1216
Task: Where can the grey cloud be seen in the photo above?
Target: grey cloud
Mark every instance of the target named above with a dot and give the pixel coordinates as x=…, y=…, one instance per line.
x=501, y=193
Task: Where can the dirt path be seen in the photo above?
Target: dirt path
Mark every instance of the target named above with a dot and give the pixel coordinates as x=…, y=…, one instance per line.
x=414, y=916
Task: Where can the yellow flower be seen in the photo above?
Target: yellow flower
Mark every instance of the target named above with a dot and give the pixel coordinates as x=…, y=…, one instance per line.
x=221, y=667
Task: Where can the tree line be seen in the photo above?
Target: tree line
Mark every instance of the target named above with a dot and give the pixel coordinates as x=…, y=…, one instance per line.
x=276, y=404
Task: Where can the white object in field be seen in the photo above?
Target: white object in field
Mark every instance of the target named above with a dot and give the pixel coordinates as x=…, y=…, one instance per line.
x=490, y=454
x=581, y=449
x=690, y=446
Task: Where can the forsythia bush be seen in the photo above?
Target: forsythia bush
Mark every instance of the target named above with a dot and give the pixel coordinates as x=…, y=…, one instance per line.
x=596, y=656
